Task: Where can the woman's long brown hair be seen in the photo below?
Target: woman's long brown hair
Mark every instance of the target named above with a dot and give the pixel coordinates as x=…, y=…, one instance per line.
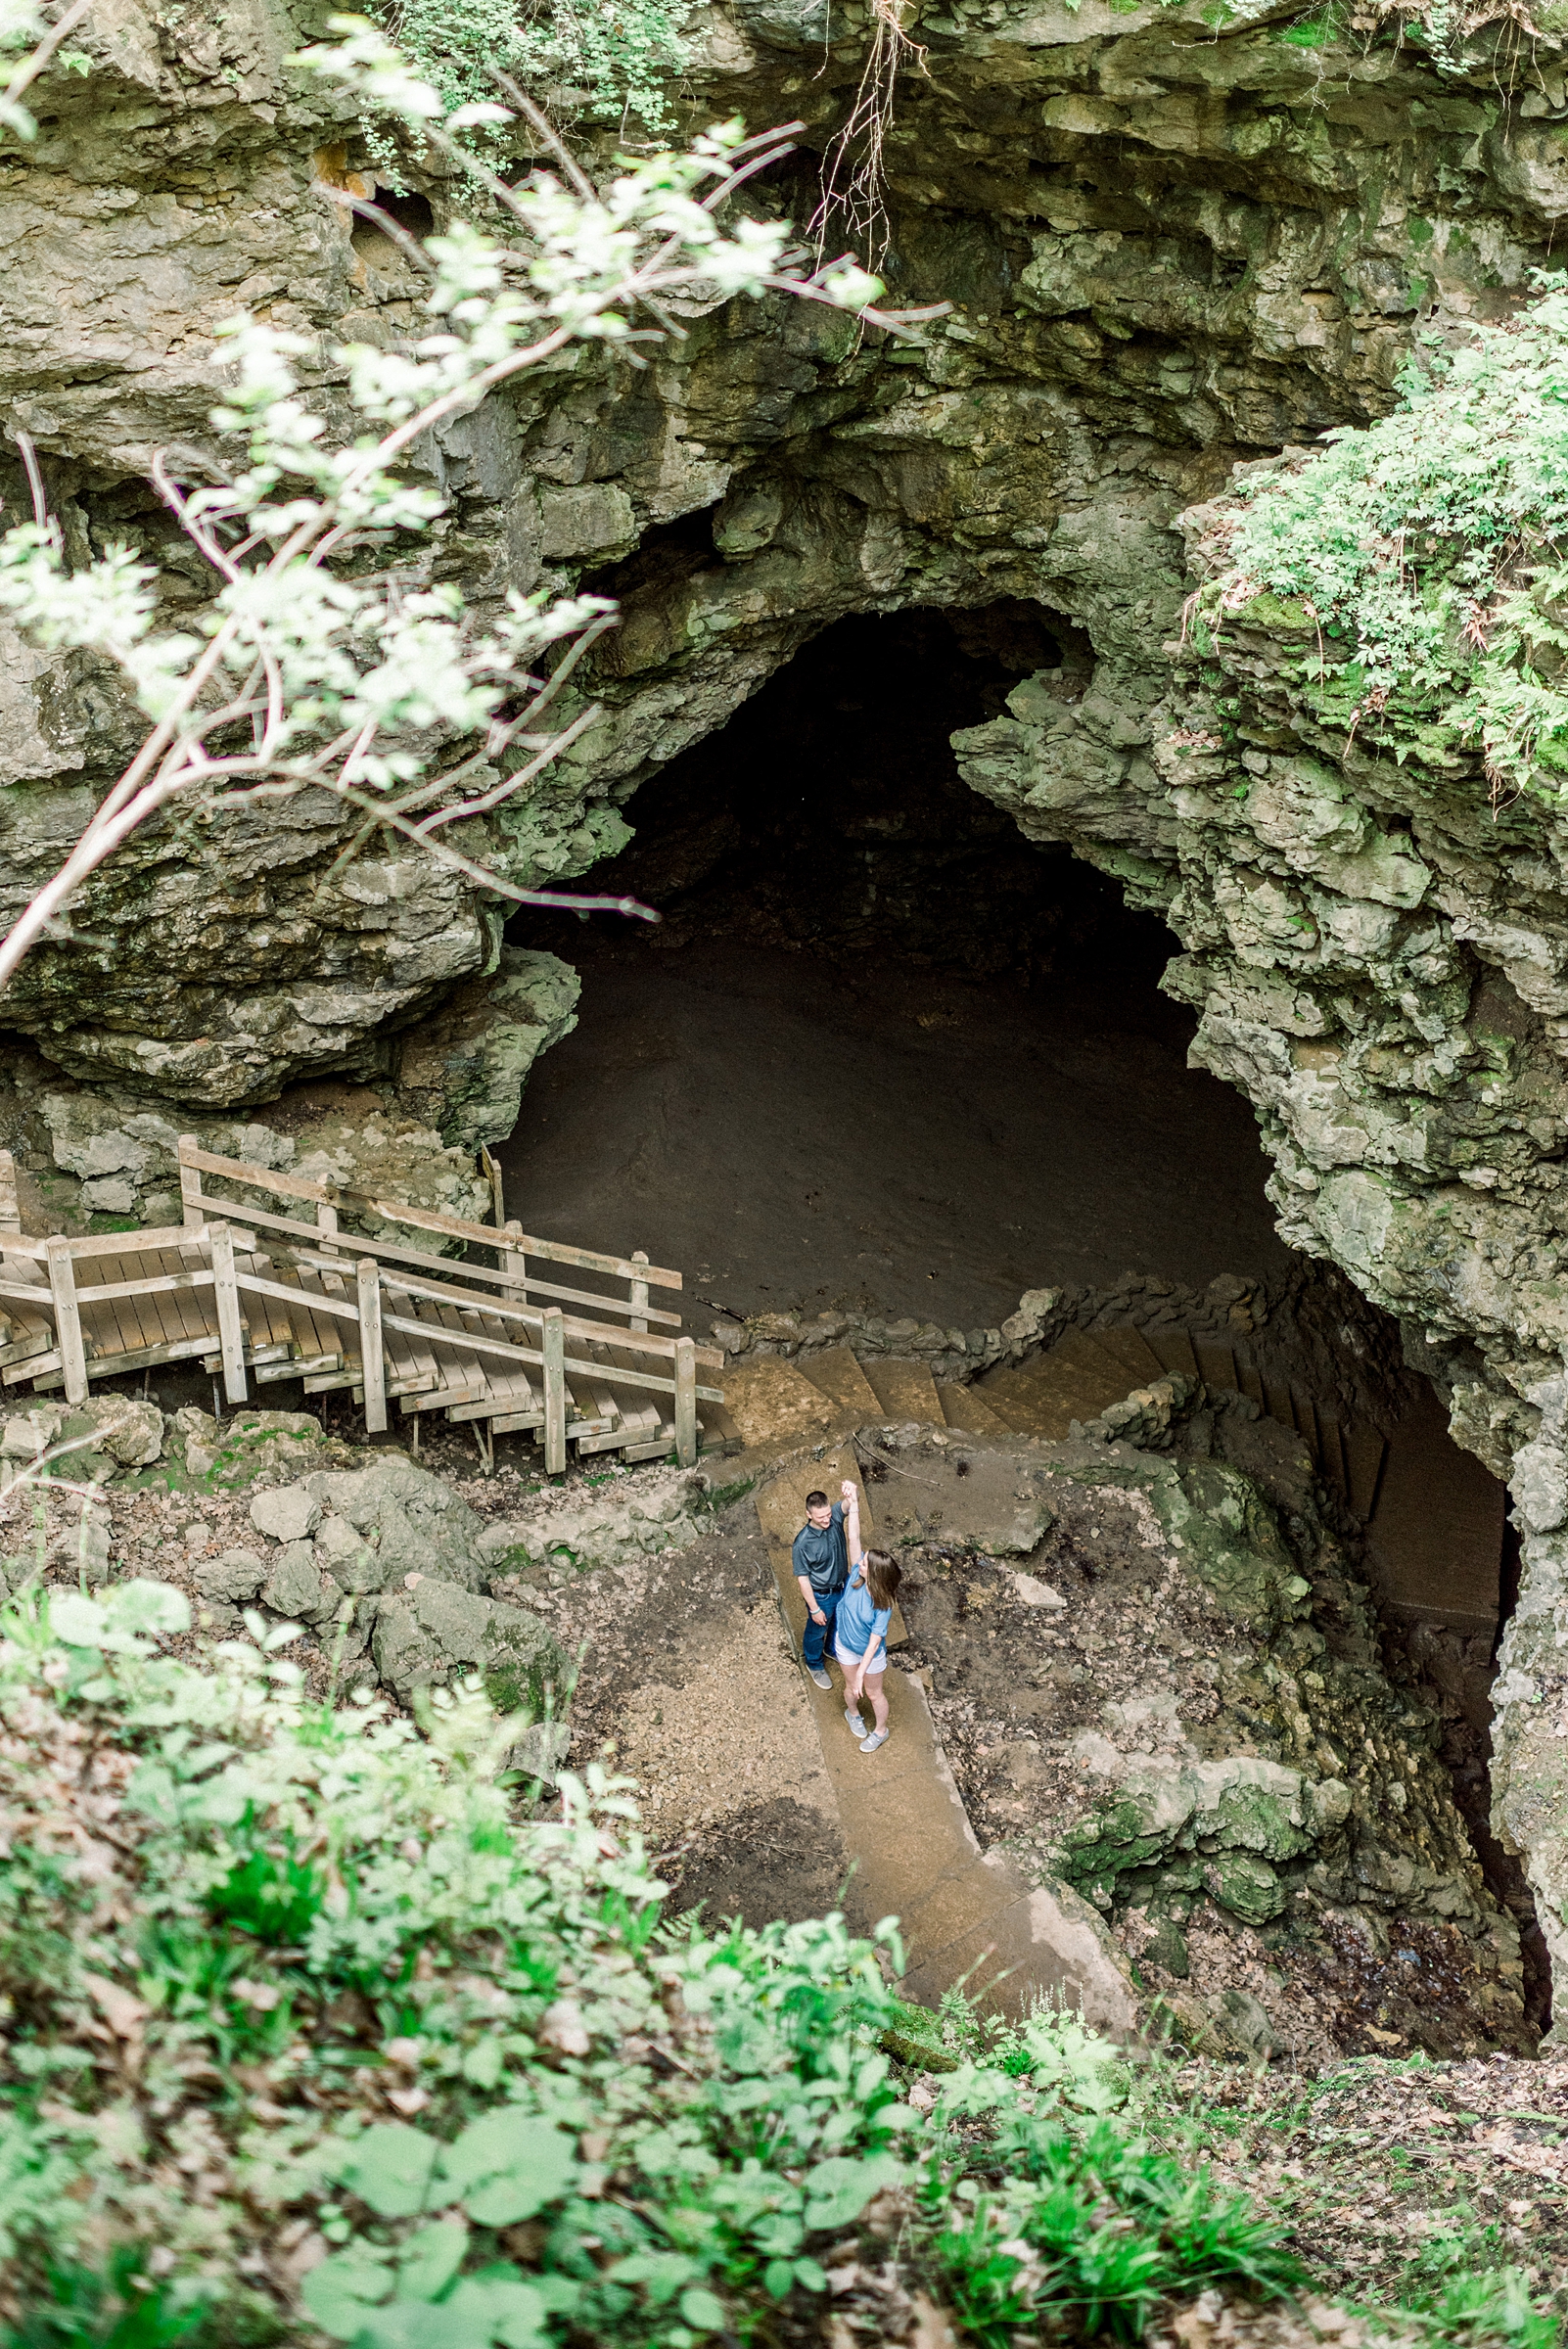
x=883, y=1575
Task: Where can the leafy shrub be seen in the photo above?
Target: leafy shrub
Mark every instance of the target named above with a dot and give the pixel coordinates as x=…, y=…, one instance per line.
x=1418, y=568
x=304, y=2019
x=320, y=2029
x=608, y=63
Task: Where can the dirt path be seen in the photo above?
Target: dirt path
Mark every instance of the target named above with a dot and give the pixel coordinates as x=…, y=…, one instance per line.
x=688, y=1687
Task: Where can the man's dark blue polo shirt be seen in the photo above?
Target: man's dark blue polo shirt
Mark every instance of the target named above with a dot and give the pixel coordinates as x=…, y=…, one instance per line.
x=822, y=1554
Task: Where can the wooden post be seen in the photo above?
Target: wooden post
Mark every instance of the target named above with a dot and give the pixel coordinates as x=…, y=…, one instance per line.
x=68, y=1318
x=10, y=1213
x=639, y=1294
x=511, y=1261
x=190, y=1183
x=327, y=1226
x=231, y=1329
x=686, y=1403
x=371, y=1361
x=555, y=1391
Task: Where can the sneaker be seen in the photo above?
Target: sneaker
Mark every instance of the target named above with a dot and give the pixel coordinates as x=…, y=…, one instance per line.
x=815, y=1673
x=854, y=1721
x=868, y=1745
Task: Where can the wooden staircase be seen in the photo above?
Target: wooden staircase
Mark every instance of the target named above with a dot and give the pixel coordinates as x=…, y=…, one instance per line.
x=774, y=1401
x=258, y=1294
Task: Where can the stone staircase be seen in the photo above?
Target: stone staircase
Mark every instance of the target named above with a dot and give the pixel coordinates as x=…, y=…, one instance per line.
x=1435, y=1519
x=775, y=1402
x=1435, y=1529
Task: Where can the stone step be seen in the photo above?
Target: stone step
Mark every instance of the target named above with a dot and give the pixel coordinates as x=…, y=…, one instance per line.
x=843, y=1381
x=1365, y=1451
x=970, y=1414
x=1172, y=1350
x=1331, y=1451
x=1132, y=1351
x=965, y=1915
x=771, y=1404
x=904, y=1390
x=1077, y=1379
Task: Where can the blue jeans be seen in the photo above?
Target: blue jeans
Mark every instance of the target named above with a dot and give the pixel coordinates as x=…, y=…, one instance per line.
x=816, y=1635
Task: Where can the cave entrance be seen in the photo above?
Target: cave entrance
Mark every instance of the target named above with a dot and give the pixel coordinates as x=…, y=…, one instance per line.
x=882, y=1053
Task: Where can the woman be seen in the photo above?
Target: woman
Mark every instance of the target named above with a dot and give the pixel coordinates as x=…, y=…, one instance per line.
x=861, y=1630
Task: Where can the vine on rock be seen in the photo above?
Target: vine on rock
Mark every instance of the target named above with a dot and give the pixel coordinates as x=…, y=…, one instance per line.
x=1421, y=564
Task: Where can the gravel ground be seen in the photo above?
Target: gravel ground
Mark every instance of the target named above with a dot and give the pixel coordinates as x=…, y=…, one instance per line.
x=687, y=1684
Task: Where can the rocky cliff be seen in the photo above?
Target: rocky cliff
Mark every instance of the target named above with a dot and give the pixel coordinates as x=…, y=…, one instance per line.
x=1174, y=238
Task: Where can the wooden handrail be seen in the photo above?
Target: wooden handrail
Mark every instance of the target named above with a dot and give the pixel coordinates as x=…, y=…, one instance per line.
x=418, y=1219
x=339, y=1278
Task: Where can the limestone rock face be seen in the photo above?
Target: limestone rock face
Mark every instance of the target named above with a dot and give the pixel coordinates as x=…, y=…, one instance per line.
x=389, y=1521
x=436, y=1632
x=1164, y=252
x=1160, y=253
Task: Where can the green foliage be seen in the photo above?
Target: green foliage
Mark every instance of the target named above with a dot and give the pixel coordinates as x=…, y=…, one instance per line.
x=1101, y=2228
x=606, y=64
x=312, y=2035
x=1419, y=567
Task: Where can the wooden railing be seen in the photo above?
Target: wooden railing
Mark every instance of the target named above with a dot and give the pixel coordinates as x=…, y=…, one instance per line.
x=500, y=1325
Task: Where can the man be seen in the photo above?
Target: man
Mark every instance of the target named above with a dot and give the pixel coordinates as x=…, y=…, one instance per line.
x=822, y=1569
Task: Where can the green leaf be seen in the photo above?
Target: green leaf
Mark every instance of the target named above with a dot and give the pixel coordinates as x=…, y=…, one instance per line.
x=662, y=2272
x=115, y=1622
x=507, y=2166
x=340, y=2293
x=839, y=2190
x=811, y=2276
x=482, y=2065
x=430, y=2259
x=778, y=2275
x=701, y=2309
x=391, y=2168
x=80, y=1622
x=480, y=2312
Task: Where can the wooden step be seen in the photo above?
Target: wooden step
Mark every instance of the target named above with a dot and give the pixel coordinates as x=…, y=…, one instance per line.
x=1134, y=1351
x=718, y=1434
x=969, y=1411
x=1216, y=1365
x=1077, y=1380
x=1306, y=1418
x=904, y=1390
x=1172, y=1350
x=842, y=1380
x=1434, y=1547
x=1252, y=1385
x=772, y=1402
x=1364, y=1450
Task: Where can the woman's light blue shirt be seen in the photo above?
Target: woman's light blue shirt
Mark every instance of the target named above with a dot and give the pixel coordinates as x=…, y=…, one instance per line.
x=859, y=1621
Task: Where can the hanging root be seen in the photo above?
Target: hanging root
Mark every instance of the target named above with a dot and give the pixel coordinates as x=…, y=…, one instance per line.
x=853, y=185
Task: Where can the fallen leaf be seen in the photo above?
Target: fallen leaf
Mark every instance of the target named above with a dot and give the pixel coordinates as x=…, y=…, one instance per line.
x=124, y=2012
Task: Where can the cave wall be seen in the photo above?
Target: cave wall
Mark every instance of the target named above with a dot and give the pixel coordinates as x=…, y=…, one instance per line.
x=1165, y=248
x=1171, y=245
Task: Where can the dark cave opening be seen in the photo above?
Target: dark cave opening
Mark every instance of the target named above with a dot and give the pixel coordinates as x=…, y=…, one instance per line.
x=883, y=1053
x=881, y=1049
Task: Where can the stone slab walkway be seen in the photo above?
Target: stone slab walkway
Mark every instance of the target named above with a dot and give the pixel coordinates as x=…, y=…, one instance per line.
x=964, y=1914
